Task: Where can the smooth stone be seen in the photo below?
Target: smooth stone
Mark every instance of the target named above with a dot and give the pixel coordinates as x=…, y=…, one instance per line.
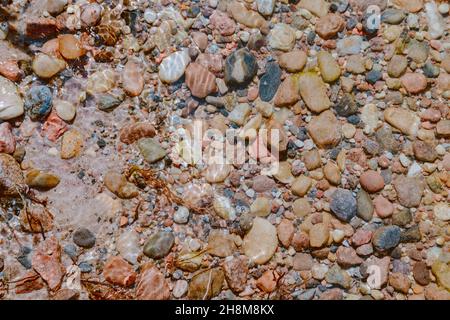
x=265, y=7
x=132, y=79
x=409, y=190
x=414, y=82
x=159, y=244
x=11, y=104
x=287, y=93
x=325, y=130
x=393, y=16
x=424, y=151
x=180, y=288
x=409, y=5
x=181, y=216
x=436, y=23
x=90, y=14
x=71, y=144
x=301, y=185
x=346, y=106
x=128, y=246
x=316, y=7
x=355, y=64
x=7, y=139
x=38, y=102
x=151, y=150
x=217, y=172
x=318, y=235
x=281, y=37
x=261, y=242
x=343, y=204
x=371, y=181
x=70, y=47
x=349, y=45
x=329, y=68
x=418, y=51
x=240, y=67
x=240, y=113
x=101, y=81
x=312, y=159
x=261, y=207
x=206, y=284
x=46, y=66
x=313, y=92
x=119, y=185
x=269, y=82
x=65, y=110
x=385, y=238
x=337, y=276
x=41, y=180
x=301, y=207
x=249, y=18
x=442, y=211
x=397, y=66
x=402, y=119
x=284, y=174
x=10, y=176
x=365, y=206
x=152, y=285
x=383, y=207
x=220, y=244
x=293, y=61
x=84, y=238
x=332, y=173
x=221, y=22
x=223, y=208
x=173, y=66
x=200, y=80
x=329, y=25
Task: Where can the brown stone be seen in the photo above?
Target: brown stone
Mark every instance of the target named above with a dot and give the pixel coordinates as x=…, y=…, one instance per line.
x=200, y=81
x=325, y=130
x=328, y=26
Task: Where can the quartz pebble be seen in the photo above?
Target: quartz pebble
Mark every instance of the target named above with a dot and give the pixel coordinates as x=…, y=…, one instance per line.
x=261, y=241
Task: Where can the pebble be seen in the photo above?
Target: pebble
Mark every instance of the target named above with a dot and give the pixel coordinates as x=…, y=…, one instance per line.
x=325, y=130
x=70, y=47
x=329, y=69
x=7, y=139
x=236, y=271
x=240, y=67
x=180, y=288
x=442, y=211
x=436, y=24
x=41, y=180
x=313, y=92
x=269, y=82
x=220, y=244
x=132, y=79
x=343, y=204
x=65, y=110
x=365, y=206
x=118, y=184
x=222, y=23
x=11, y=104
x=84, y=238
x=181, y=216
x=200, y=81
x=265, y=7
x=128, y=246
x=318, y=235
x=281, y=37
x=371, y=181
x=293, y=61
x=349, y=45
x=414, y=82
x=409, y=191
x=173, y=66
x=206, y=284
x=151, y=150
x=423, y=151
x=261, y=207
x=159, y=244
x=301, y=185
x=152, y=285
x=261, y=242
x=335, y=275
x=318, y=8
x=118, y=271
x=386, y=238
x=404, y=120
x=46, y=66
x=71, y=144
x=38, y=102
x=287, y=93
x=383, y=207
x=329, y=25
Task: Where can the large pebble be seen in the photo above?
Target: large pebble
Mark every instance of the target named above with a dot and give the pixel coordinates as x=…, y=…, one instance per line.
x=41, y=180
x=261, y=242
x=200, y=80
x=281, y=37
x=132, y=79
x=293, y=61
x=329, y=68
x=386, y=238
x=328, y=26
x=206, y=284
x=325, y=130
x=46, y=66
x=151, y=150
x=313, y=92
x=11, y=176
x=317, y=7
x=70, y=47
x=152, y=285
x=402, y=119
x=343, y=204
x=173, y=66
x=11, y=104
x=7, y=139
x=240, y=67
x=269, y=82
x=159, y=244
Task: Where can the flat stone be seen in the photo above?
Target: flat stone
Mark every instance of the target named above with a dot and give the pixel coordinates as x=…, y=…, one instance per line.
x=409, y=191
x=206, y=284
x=364, y=206
x=318, y=235
x=281, y=37
x=329, y=25
x=173, y=66
x=371, y=181
x=329, y=68
x=11, y=104
x=236, y=271
x=318, y=8
x=397, y=66
x=288, y=93
x=349, y=45
x=386, y=238
x=159, y=244
x=424, y=151
x=414, y=82
x=200, y=80
x=132, y=79
x=220, y=244
x=151, y=150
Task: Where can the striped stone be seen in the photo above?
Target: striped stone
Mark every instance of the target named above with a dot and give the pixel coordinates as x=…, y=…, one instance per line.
x=200, y=81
